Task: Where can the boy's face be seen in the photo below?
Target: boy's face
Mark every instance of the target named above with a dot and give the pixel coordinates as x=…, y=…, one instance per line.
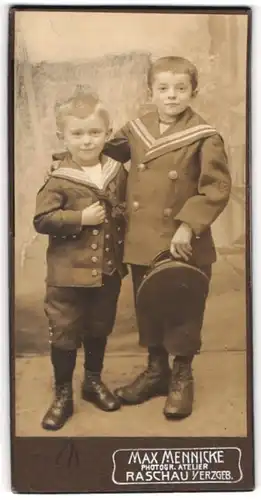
x=171, y=93
x=84, y=138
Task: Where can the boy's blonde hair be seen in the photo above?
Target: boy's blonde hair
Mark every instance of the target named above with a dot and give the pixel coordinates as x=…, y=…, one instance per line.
x=81, y=104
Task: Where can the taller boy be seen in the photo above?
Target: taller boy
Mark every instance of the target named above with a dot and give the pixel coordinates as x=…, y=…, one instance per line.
x=178, y=185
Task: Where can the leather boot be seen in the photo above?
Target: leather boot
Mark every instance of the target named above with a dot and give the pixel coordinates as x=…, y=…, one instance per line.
x=180, y=398
x=95, y=391
x=60, y=410
x=154, y=381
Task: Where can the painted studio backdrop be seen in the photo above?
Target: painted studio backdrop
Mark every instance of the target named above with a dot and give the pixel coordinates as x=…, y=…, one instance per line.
x=54, y=51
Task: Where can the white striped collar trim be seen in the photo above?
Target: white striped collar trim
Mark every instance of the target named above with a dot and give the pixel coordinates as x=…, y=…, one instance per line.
x=181, y=135
x=179, y=139
x=142, y=132
x=156, y=144
x=109, y=171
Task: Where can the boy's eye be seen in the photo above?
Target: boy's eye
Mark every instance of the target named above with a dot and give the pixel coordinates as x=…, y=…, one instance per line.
x=163, y=88
x=96, y=132
x=77, y=132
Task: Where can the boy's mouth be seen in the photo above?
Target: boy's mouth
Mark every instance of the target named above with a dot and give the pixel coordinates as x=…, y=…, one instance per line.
x=87, y=150
x=174, y=104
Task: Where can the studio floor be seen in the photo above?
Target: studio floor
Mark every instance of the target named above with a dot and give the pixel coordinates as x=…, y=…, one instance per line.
x=219, y=408
x=219, y=372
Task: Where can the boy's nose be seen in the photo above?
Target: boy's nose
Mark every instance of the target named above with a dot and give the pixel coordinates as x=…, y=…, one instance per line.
x=86, y=139
x=172, y=92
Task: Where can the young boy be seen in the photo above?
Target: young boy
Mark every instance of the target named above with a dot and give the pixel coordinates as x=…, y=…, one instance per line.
x=178, y=185
x=80, y=207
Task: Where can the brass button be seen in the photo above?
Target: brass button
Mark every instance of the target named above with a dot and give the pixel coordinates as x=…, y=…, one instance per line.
x=74, y=236
x=173, y=175
x=141, y=167
x=107, y=236
x=94, y=259
x=120, y=242
x=107, y=249
x=167, y=212
x=136, y=205
x=94, y=272
x=94, y=246
x=95, y=232
x=118, y=228
x=110, y=263
x=106, y=221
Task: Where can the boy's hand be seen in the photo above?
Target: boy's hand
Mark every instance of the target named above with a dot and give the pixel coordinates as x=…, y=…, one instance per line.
x=93, y=214
x=180, y=246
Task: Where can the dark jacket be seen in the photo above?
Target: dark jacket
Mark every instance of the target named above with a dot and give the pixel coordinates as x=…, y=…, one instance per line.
x=77, y=255
x=179, y=176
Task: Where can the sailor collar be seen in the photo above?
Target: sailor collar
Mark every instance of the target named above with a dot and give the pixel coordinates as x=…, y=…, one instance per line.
x=186, y=130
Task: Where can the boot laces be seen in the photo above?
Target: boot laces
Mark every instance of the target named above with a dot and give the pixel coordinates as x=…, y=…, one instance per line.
x=181, y=374
x=143, y=375
x=153, y=370
x=99, y=385
x=95, y=382
x=61, y=394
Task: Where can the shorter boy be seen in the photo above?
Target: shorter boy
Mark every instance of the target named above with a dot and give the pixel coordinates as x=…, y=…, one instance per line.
x=80, y=207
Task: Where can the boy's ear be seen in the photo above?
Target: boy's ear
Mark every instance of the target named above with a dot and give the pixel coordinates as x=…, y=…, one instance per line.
x=149, y=91
x=60, y=135
x=109, y=134
x=195, y=93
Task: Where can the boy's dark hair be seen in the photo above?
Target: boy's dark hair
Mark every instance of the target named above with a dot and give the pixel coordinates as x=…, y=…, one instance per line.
x=175, y=65
x=81, y=104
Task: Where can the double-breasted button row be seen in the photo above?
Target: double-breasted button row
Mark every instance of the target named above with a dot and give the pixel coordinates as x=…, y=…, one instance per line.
x=94, y=246
x=50, y=335
x=167, y=212
x=119, y=229
x=64, y=237
x=173, y=175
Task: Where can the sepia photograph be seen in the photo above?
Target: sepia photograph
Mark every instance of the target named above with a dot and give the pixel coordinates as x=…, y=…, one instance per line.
x=131, y=226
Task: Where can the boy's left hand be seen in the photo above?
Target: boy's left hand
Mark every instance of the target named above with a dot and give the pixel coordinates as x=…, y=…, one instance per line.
x=180, y=246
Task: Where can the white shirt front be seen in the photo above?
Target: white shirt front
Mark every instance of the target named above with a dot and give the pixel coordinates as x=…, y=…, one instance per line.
x=94, y=174
x=163, y=127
